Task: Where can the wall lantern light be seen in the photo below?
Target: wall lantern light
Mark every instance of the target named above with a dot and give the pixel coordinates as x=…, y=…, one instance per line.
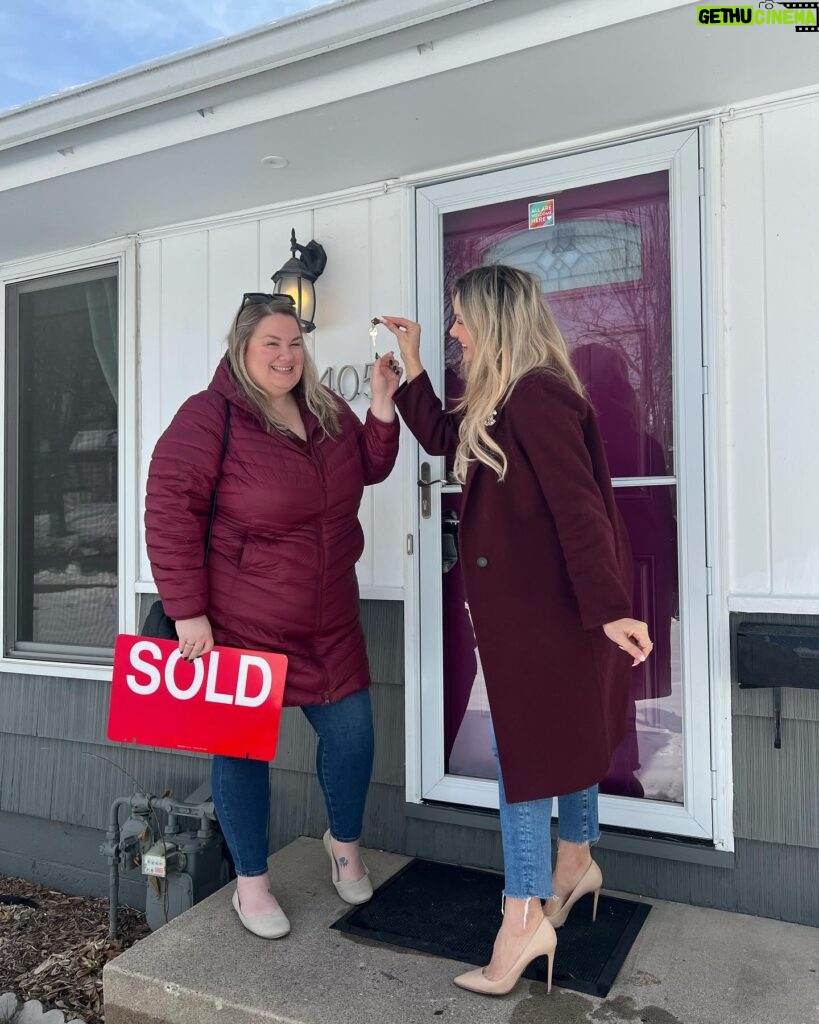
x=296, y=278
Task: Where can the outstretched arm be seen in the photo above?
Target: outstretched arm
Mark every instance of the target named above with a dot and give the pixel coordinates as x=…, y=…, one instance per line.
x=435, y=429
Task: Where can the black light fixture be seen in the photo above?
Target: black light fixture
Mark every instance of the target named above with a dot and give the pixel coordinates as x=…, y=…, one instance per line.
x=296, y=278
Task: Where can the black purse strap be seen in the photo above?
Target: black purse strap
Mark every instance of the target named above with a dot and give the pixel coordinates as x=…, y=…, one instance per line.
x=212, y=513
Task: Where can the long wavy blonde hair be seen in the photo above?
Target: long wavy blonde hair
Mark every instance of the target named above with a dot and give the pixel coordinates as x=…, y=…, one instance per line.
x=514, y=333
x=319, y=400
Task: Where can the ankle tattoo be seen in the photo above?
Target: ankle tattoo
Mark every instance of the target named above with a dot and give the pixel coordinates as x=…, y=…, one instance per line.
x=343, y=862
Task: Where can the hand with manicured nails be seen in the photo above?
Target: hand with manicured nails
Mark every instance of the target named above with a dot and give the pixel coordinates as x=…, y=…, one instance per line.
x=195, y=637
x=631, y=636
x=386, y=377
x=408, y=334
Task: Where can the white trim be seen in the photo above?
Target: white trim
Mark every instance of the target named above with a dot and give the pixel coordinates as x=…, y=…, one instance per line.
x=645, y=815
x=412, y=581
x=586, y=168
x=286, y=41
x=313, y=34
x=121, y=251
x=689, y=458
x=346, y=195
x=429, y=272
x=55, y=669
x=636, y=133
x=774, y=604
x=129, y=418
x=716, y=485
x=516, y=158
x=375, y=593
x=679, y=154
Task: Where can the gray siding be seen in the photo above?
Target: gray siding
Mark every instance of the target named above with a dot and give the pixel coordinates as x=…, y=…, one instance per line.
x=58, y=776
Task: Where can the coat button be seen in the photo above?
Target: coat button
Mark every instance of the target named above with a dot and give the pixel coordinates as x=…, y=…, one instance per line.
x=482, y=562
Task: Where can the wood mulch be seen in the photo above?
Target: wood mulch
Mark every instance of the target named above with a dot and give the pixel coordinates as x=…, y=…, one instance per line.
x=54, y=947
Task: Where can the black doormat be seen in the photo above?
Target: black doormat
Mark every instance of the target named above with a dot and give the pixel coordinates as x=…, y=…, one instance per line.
x=454, y=912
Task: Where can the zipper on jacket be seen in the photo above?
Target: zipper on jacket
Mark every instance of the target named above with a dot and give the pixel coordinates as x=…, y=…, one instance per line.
x=317, y=461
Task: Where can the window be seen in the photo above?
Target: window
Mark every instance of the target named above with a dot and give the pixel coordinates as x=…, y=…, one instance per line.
x=61, y=593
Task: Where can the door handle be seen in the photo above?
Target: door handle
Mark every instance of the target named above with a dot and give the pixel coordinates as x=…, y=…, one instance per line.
x=426, y=494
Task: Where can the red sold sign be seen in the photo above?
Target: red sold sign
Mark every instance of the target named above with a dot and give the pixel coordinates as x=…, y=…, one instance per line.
x=227, y=702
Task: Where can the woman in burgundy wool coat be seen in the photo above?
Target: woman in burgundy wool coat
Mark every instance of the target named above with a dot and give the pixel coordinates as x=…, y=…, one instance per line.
x=547, y=573
x=280, y=570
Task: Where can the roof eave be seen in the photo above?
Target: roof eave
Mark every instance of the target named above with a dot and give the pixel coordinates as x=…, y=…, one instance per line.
x=297, y=38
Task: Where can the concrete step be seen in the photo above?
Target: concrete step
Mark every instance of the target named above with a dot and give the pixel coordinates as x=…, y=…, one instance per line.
x=688, y=966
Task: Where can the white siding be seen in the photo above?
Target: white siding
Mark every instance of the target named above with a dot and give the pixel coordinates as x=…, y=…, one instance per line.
x=771, y=354
x=190, y=287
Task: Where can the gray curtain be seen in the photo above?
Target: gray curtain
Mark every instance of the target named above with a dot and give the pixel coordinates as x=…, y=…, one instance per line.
x=101, y=298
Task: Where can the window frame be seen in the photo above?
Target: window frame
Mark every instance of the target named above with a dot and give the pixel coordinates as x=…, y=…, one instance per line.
x=122, y=254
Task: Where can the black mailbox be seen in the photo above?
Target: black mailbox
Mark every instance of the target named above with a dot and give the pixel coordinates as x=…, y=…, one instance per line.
x=777, y=655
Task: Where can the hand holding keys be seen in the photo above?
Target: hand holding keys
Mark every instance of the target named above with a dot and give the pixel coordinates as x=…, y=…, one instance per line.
x=393, y=365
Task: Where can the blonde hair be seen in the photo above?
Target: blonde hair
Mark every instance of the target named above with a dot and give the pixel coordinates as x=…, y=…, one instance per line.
x=514, y=332
x=318, y=399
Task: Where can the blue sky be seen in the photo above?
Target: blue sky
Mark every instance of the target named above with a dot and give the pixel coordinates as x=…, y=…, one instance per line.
x=49, y=45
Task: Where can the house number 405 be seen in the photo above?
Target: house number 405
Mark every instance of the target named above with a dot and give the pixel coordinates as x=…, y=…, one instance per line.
x=349, y=381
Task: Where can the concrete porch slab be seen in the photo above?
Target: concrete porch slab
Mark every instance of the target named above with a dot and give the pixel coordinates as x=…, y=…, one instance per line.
x=688, y=966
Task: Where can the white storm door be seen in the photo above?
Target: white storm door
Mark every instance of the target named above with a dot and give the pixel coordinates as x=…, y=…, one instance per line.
x=614, y=235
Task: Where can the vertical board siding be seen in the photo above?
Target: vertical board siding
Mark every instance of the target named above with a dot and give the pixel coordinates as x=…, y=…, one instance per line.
x=771, y=265
x=191, y=285
x=233, y=269
x=274, y=247
x=745, y=354
x=792, y=271
x=341, y=334
x=184, y=326
x=387, y=249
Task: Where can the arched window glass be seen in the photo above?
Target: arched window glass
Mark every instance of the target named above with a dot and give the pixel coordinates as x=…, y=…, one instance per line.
x=578, y=253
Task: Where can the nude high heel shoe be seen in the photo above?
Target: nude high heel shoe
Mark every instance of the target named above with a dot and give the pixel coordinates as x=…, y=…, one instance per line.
x=590, y=881
x=542, y=943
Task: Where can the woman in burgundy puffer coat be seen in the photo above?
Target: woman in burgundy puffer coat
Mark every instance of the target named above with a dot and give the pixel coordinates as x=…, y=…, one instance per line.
x=280, y=570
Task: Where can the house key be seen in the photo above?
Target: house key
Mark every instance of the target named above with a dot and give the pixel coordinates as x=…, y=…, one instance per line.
x=374, y=334
x=393, y=365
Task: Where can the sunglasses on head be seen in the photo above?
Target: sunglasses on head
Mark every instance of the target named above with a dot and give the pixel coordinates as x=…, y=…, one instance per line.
x=264, y=299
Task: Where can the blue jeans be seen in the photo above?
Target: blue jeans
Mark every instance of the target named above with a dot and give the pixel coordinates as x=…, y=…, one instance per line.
x=526, y=830
x=344, y=761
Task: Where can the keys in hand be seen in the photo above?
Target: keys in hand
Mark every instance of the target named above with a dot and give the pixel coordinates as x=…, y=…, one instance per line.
x=373, y=332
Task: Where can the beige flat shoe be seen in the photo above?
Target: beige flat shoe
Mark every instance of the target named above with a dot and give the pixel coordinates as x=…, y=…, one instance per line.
x=359, y=891
x=267, y=926
x=542, y=943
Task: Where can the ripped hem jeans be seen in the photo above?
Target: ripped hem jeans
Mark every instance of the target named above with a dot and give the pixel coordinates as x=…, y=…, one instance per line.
x=526, y=830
